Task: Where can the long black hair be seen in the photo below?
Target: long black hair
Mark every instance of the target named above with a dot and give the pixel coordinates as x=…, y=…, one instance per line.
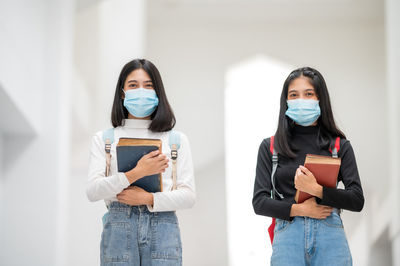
x=328, y=130
x=163, y=118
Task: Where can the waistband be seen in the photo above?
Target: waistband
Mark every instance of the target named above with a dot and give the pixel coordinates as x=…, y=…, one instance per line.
x=335, y=210
x=118, y=206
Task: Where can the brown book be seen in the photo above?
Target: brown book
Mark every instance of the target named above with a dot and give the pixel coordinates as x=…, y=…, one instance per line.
x=130, y=151
x=324, y=168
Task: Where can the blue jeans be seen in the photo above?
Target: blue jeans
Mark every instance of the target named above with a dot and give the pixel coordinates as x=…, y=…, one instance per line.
x=134, y=236
x=308, y=241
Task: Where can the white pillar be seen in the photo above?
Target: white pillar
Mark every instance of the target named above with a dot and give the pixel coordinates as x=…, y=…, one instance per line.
x=121, y=38
x=61, y=17
x=35, y=78
x=392, y=20
x=109, y=33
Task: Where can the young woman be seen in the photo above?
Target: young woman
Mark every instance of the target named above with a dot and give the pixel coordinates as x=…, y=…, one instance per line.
x=309, y=233
x=141, y=228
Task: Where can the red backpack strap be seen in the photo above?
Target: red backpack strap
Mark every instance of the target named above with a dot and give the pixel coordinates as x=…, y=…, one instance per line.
x=271, y=145
x=273, y=222
x=336, y=149
x=271, y=229
x=337, y=144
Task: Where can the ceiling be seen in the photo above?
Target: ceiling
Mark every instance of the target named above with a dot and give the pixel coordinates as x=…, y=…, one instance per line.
x=242, y=11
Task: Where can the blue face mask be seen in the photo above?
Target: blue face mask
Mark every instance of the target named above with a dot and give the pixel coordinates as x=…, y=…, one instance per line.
x=303, y=112
x=141, y=102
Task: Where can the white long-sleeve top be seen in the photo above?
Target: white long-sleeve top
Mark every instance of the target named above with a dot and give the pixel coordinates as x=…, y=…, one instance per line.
x=100, y=187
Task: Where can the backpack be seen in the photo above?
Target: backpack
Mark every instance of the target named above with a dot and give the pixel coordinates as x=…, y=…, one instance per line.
x=174, y=142
x=334, y=153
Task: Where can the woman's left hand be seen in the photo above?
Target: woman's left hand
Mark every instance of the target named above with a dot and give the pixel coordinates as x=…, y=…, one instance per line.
x=135, y=196
x=305, y=181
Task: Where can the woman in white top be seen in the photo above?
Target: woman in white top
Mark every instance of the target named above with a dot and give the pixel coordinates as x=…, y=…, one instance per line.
x=141, y=228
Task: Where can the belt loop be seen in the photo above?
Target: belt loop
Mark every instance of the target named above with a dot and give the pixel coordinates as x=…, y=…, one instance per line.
x=129, y=211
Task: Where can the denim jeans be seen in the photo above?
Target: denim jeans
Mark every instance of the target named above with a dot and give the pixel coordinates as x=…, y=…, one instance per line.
x=134, y=236
x=308, y=241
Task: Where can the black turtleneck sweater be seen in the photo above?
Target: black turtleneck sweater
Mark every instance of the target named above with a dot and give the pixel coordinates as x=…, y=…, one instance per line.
x=305, y=139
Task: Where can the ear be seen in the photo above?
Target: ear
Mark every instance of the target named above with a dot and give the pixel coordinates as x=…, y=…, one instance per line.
x=122, y=94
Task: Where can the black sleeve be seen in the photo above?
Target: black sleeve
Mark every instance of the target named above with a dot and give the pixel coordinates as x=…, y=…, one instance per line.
x=351, y=198
x=262, y=202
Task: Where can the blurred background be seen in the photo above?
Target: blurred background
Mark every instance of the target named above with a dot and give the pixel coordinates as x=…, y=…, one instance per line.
x=223, y=64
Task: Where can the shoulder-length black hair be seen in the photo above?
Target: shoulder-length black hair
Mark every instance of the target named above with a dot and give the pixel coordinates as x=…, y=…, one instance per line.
x=328, y=130
x=163, y=118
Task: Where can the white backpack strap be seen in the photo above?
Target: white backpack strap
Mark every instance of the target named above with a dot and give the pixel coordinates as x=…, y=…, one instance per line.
x=174, y=145
x=108, y=138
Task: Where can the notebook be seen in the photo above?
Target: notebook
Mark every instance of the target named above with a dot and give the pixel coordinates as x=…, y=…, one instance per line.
x=130, y=151
x=324, y=168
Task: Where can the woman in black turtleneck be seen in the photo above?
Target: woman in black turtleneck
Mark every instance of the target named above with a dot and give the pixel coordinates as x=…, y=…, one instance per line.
x=310, y=233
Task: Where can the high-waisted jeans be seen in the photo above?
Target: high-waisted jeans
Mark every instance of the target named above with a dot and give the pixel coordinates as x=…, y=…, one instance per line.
x=308, y=241
x=134, y=236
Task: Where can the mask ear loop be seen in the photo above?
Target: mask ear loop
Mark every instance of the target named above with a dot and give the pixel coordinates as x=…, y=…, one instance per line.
x=123, y=93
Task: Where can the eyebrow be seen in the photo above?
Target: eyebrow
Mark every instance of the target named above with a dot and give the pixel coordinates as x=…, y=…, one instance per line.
x=133, y=80
x=294, y=90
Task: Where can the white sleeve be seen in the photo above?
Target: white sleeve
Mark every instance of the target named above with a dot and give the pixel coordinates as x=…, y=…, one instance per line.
x=99, y=186
x=184, y=196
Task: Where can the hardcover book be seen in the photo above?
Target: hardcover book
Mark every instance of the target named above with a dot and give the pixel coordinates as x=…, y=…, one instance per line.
x=130, y=151
x=324, y=168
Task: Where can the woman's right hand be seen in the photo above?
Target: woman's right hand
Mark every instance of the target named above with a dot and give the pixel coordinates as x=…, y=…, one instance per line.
x=311, y=209
x=150, y=164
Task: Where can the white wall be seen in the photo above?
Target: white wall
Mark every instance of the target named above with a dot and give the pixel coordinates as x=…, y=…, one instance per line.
x=252, y=96
x=36, y=41
x=203, y=227
x=24, y=32
x=193, y=55
x=392, y=23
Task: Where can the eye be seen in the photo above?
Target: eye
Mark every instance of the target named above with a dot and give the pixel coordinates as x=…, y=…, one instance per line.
x=310, y=94
x=132, y=85
x=292, y=95
x=149, y=85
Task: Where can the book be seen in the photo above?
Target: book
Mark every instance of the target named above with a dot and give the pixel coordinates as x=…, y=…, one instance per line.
x=130, y=151
x=324, y=168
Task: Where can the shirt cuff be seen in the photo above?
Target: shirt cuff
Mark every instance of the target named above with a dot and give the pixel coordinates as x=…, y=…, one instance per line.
x=123, y=180
x=327, y=193
x=153, y=208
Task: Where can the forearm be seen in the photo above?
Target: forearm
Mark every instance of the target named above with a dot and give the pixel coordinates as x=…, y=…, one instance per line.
x=133, y=175
x=296, y=210
x=264, y=205
x=351, y=200
x=148, y=199
x=100, y=187
x=317, y=191
x=302, y=210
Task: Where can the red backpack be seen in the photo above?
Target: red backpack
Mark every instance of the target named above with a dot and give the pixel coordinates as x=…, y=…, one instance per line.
x=334, y=153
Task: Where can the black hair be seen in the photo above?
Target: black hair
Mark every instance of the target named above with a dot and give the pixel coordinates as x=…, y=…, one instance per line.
x=327, y=129
x=163, y=118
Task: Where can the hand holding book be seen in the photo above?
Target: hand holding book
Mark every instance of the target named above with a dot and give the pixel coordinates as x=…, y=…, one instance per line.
x=135, y=196
x=311, y=208
x=142, y=162
x=318, y=171
x=150, y=164
x=305, y=181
